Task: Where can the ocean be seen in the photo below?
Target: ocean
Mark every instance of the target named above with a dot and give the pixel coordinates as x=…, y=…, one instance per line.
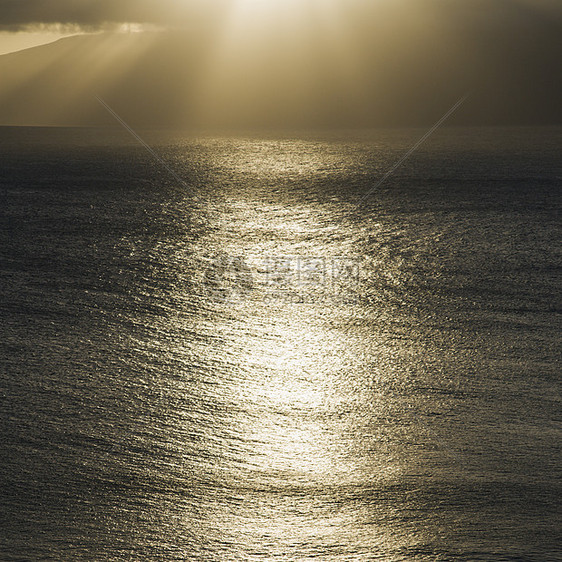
x=238, y=355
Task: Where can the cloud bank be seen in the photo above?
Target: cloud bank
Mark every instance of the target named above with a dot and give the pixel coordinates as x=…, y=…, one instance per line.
x=17, y=15
x=90, y=14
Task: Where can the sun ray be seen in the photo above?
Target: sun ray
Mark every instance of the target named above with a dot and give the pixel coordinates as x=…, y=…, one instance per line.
x=275, y=58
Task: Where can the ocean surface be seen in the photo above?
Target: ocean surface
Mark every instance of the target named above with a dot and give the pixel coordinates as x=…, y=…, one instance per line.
x=247, y=359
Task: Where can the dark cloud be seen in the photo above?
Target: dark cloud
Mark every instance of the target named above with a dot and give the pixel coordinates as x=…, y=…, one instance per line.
x=20, y=14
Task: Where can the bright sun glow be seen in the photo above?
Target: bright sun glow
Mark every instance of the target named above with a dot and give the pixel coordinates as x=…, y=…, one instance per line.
x=280, y=12
x=282, y=49
x=263, y=6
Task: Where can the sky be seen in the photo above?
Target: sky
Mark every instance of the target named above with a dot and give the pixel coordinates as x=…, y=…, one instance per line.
x=280, y=62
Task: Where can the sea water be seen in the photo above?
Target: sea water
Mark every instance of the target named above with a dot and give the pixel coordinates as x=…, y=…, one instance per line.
x=249, y=348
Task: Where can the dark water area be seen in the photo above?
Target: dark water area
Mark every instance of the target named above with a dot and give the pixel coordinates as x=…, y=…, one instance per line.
x=276, y=369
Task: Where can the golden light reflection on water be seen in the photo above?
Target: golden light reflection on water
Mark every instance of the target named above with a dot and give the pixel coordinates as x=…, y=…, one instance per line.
x=294, y=379
x=289, y=392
